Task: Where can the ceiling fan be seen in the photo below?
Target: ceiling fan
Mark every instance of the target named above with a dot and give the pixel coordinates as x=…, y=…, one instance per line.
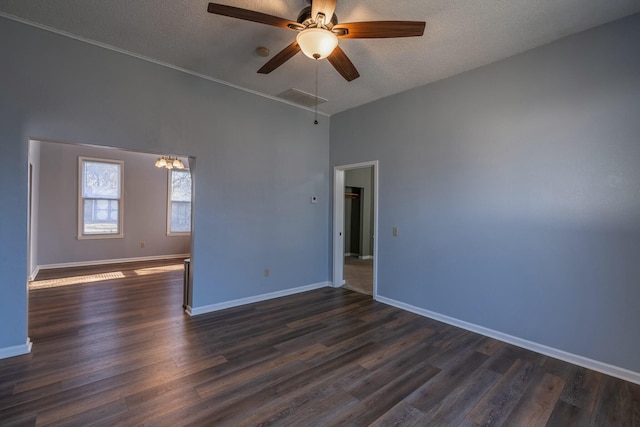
x=318, y=33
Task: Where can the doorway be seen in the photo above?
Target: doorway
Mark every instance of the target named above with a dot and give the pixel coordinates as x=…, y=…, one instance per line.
x=355, y=225
x=157, y=210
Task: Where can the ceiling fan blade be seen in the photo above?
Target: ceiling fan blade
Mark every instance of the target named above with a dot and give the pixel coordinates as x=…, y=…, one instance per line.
x=250, y=15
x=283, y=56
x=343, y=64
x=380, y=29
x=326, y=7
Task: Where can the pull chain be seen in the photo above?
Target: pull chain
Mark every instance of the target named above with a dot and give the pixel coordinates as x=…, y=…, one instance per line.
x=315, y=116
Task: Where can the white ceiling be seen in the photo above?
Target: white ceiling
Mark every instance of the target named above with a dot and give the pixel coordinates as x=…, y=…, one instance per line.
x=460, y=35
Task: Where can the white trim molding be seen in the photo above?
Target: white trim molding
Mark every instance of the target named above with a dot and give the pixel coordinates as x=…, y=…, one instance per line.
x=16, y=350
x=349, y=254
x=605, y=368
x=344, y=282
x=110, y=261
x=34, y=274
x=194, y=311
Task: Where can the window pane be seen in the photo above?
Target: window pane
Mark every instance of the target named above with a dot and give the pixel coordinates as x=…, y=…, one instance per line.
x=100, y=180
x=180, y=186
x=180, y=217
x=100, y=216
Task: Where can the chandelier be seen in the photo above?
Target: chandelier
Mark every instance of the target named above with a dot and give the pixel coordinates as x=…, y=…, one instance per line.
x=169, y=162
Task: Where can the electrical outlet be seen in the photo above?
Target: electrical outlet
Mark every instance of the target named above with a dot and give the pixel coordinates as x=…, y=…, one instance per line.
x=395, y=231
x=142, y=245
x=266, y=272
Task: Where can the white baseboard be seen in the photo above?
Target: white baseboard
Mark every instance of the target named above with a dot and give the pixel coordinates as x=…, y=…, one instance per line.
x=605, y=368
x=110, y=261
x=344, y=282
x=16, y=350
x=359, y=256
x=33, y=274
x=194, y=311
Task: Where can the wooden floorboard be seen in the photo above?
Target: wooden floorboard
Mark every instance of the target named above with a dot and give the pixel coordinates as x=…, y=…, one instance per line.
x=118, y=350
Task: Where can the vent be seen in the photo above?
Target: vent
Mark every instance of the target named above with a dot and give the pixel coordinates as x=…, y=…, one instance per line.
x=301, y=98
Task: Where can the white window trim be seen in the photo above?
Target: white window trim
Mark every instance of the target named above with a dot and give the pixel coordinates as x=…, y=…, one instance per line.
x=120, y=233
x=169, y=232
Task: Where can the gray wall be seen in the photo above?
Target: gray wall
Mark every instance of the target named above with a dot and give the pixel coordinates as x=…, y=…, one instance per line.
x=363, y=178
x=516, y=192
x=258, y=162
x=144, y=203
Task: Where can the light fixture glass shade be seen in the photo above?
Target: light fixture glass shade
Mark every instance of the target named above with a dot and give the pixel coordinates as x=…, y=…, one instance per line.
x=169, y=162
x=317, y=43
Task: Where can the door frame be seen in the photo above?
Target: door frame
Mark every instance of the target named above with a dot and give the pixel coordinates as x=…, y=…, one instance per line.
x=338, y=222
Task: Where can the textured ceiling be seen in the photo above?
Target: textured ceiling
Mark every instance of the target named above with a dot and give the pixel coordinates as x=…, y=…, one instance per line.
x=460, y=35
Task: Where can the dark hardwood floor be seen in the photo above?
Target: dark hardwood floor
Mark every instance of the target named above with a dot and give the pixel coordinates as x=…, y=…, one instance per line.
x=122, y=352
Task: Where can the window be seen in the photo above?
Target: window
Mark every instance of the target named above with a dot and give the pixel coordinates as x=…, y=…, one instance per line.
x=179, y=208
x=100, y=201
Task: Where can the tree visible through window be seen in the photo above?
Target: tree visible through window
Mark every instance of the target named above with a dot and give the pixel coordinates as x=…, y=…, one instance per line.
x=179, y=202
x=100, y=197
